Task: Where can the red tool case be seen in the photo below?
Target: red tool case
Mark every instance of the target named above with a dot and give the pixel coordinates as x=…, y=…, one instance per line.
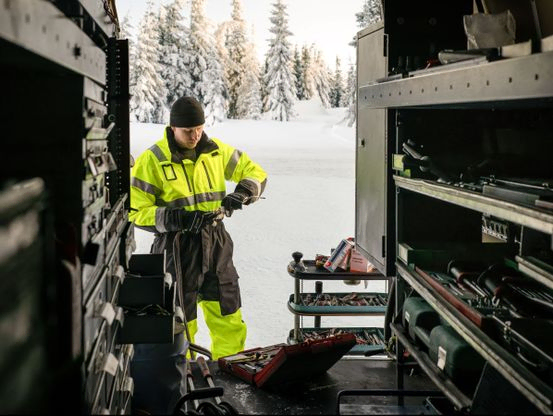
x=282, y=363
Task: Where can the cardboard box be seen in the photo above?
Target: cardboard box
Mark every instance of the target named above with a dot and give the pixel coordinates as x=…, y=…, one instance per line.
x=340, y=256
x=358, y=263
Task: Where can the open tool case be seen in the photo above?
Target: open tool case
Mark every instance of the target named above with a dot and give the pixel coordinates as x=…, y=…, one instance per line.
x=280, y=364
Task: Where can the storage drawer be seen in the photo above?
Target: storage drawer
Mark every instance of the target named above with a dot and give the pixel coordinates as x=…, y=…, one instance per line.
x=97, y=310
x=151, y=324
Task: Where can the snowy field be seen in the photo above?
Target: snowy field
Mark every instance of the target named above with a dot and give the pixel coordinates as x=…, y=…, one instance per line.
x=309, y=207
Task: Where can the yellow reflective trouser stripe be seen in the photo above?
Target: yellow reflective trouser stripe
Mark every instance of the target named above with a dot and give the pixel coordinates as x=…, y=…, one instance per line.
x=228, y=333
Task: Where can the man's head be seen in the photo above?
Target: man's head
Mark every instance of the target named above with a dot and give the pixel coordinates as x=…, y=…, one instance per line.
x=187, y=122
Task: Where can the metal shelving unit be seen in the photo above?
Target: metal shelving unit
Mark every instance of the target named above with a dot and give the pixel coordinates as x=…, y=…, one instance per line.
x=536, y=218
x=456, y=116
x=480, y=84
x=537, y=392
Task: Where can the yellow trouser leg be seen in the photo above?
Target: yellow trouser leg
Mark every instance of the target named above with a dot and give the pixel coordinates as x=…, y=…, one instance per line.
x=192, y=330
x=228, y=333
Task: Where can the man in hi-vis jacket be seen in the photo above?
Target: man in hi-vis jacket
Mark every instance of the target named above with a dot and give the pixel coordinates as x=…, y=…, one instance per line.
x=178, y=184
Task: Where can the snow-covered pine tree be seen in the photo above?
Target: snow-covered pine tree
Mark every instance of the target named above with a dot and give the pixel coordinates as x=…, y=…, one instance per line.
x=321, y=77
x=337, y=93
x=264, y=86
x=279, y=76
x=236, y=44
x=351, y=95
x=148, y=95
x=298, y=75
x=172, y=38
x=248, y=104
x=204, y=65
x=371, y=13
x=221, y=35
x=308, y=80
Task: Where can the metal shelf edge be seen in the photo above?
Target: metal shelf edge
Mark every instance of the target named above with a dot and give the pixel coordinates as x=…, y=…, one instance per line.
x=526, y=382
x=483, y=84
x=528, y=217
x=459, y=399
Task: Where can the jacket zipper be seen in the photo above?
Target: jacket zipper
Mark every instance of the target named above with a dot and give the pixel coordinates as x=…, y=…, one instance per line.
x=186, y=176
x=207, y=174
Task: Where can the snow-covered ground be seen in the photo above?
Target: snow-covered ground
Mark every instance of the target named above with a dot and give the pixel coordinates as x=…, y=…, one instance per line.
x=309, y=207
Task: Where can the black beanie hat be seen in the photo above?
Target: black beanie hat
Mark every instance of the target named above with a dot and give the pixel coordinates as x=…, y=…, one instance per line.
x=186, y=112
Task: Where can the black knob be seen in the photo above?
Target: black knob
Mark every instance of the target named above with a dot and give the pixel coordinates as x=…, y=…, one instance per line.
x=297, y=256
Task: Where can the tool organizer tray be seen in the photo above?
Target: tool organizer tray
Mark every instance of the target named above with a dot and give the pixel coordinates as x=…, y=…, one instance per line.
x=313, y=272
x=367, y=339
x=379, y=307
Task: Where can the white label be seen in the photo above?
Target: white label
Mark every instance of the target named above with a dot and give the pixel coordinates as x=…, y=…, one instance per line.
x=128, y=350
x=168, y=280
x=442, y=354
x=107, y=312
x=119, y=315
x=110, y=364
x=407, y=316
x=128, y=385
x=120, y=273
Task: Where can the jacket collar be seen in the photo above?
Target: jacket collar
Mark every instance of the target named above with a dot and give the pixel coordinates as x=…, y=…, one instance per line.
x=178, y=154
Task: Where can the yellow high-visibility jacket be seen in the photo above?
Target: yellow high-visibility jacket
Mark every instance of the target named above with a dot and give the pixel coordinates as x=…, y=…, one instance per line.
x=163, y=178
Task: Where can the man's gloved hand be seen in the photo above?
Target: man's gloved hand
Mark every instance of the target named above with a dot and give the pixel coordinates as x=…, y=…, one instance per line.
x=233, y=201
x=178, y=219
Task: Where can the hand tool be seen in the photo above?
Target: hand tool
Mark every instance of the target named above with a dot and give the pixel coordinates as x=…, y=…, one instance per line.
x=225, y=407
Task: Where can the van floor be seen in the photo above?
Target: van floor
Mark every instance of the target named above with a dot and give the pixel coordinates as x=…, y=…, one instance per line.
x=318, y=396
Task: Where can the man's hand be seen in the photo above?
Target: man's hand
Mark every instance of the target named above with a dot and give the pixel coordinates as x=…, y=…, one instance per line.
x=233, y=201
x=178, y=219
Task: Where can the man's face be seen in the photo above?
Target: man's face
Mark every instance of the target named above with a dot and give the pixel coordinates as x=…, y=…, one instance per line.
x=188, y=137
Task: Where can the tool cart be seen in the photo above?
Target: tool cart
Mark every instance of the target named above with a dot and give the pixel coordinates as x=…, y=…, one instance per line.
x=458, y=157
x=319, y=304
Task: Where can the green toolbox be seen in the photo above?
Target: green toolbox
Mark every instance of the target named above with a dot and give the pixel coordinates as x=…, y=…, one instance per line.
x=455, y=357
x=417, y=313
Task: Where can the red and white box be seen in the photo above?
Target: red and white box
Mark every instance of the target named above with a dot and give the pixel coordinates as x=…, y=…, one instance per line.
x=358, y=263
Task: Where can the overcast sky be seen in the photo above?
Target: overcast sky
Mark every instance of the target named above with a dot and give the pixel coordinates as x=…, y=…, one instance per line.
x=330, y=24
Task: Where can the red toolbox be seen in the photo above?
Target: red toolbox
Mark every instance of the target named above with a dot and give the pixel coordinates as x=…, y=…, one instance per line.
x=282, y=363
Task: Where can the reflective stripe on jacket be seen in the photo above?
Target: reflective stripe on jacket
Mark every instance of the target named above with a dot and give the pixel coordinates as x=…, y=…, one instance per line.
x=160, y=179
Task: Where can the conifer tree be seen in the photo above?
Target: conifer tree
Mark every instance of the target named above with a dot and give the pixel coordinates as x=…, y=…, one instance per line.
x=236, y=46
x=147, y=102
x=248, y=104
x=321, y=77
x=337, y=94
x=308, y=80
x=279, y=76
x=351, y=95
x=298, y=74
x=172, y=38
x=204, y=65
